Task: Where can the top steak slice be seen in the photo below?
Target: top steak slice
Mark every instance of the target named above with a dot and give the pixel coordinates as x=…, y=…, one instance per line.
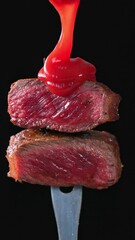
x=89, y=159
x=32, y=105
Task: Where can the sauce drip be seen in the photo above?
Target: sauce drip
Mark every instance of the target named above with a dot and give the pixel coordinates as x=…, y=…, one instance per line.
x=61, y=73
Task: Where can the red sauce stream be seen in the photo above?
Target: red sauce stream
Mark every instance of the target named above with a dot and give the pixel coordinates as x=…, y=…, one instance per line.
x=61, y=73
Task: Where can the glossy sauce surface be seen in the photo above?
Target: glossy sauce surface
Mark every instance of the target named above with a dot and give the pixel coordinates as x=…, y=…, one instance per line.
x=61, y=73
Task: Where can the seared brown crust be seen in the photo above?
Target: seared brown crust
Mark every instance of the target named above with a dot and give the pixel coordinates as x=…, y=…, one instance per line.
x=90, y=159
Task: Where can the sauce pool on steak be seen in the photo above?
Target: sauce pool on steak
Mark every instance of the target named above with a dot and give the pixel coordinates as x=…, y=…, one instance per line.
x=63, y=74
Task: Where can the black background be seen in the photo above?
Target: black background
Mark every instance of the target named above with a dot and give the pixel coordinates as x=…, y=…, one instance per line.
x=103, y=33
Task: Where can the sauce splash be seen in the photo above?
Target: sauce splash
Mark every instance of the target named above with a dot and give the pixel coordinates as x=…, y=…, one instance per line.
x=61, y=73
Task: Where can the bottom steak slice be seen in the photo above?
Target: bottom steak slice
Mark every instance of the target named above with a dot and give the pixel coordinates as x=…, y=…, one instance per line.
x=55, y=159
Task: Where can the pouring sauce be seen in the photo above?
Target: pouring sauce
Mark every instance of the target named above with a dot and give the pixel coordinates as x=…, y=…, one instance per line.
x=60, y=72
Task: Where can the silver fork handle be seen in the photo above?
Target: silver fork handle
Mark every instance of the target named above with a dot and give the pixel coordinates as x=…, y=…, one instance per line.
x=67, y=207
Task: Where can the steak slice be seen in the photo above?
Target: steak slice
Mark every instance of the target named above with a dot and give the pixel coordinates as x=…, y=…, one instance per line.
x=32, y=105
x=89, y=159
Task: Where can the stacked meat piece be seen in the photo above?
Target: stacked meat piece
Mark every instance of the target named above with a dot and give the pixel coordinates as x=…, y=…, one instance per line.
x=58, y=146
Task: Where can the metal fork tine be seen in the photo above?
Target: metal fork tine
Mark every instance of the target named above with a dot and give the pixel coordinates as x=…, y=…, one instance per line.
x=67, y=208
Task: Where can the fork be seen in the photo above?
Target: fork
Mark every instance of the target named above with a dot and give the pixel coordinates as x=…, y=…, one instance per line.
x=67, y=208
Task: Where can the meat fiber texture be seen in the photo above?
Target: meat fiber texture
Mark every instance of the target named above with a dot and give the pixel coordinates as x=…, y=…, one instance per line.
x=89, y=159
x=31, y=105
